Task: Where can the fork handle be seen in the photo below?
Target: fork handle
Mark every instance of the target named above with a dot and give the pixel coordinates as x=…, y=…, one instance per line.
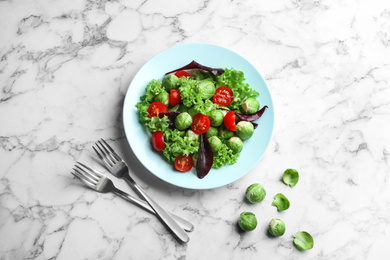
x=186, y=225
x=160, y=212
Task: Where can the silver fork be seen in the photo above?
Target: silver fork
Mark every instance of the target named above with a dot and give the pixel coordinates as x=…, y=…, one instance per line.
x=100, y=183
x=118, y=167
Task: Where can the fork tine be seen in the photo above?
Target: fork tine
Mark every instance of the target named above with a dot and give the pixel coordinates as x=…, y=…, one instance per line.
x=83, y=179
x=96, y=173
x=105, y=156
x=111, y=150
x=108, y=154
x=87, y=174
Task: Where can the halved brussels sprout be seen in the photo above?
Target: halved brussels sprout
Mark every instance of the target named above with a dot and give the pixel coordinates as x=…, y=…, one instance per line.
x=247, y=221
x=192, y=135
x=170, y=82
x=215, y=143
x=290, y=177
x=303, y=241
x=212, y=132
x=216, y=117
x=206, y=88
x=281, y=202
x=250, y=106
x=235, y=144
x=183, y=121
x=162, y=97
x=276, y=227
x=225, y=133
x=255, y=193
x=244, y=129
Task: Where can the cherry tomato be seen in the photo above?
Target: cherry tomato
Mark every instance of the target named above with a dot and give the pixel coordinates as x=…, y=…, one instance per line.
x=158, y=141
x=174, y=98
x=156, y=108
x=230, y=121
x=183, y=163
x=182, y=73
x=223, y=96
x=200, y=124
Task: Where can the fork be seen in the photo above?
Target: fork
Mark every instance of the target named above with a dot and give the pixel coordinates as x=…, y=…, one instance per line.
x=100, y=183
x=118, y=167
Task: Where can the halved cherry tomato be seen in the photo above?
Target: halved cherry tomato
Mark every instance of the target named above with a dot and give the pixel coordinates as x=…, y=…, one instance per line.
x=158, y=141
x=200, y=124
x=174, y=98
x=183, y=163
x=230, y=121
x=182, y=73
x=156, y=108
x=223, y=96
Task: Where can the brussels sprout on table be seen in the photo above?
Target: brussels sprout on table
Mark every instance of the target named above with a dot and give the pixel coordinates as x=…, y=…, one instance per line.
x=290, y=177
x=170, y=82
x=183, y=121
x=281, y=202
x=250, y=106
x=235, y=144
x=276, y=227
x=162, y=97
x=247, y=221
x=212, y=132
x=215, y=143
x=244, y=129
x=303, y=241
x=255, y=193
x=216, y=117
x=206, y=88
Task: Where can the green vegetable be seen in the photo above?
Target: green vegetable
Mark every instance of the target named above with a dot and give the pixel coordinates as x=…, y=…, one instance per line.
x=303, y=241
x=255, y=193
x=215, y=143
x=188, y=92
x=177, y=143
x=174, y=109
x=162, y=97
x=225, y=133
x=170, y=81
x=206, y=88
x=276, y=227
x=281, y=202
x=183, y=121
x=152, y=89
x=290, y=177
x=244, y=129
x=212, y=132
x=235, y=144
x=250, y=106
x=192, y=135
x=224, y=156
x=247, y=221
x=216, y=117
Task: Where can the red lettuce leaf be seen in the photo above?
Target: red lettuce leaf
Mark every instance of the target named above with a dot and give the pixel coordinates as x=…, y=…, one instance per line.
x=171, y=118
x=194, y=65
x=205, y=157
x=251, y=117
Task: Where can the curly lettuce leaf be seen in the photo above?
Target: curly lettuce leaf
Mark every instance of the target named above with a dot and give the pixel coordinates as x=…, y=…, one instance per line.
x=153, y=88
x=177, y=143
x=188, y=91
x=224, y=156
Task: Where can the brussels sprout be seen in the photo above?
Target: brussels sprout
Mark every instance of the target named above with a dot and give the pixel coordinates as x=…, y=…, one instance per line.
x=174, y=109
x=235, y=144
x=281, y=202
x=244, y=129
x=212, y=132
x=290, y=177
x=247, y=221
x=250, y=106
x=183, y=121
x=215, y=143
x=255, y=193
x=303, y=241
x=276, y=227
x=170, y=82
x=224, y=112
x=206, y=88
x=192, y=135
x=162, y=97
x=225, y=133
x=216, y=117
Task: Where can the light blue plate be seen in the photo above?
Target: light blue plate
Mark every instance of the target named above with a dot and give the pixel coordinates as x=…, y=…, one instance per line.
x=212, y=56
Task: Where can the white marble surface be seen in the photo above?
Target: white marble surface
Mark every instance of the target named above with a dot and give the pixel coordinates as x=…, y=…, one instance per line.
x=65, y=67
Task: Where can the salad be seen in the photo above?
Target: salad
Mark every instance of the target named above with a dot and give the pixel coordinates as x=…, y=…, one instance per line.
x=200, y=116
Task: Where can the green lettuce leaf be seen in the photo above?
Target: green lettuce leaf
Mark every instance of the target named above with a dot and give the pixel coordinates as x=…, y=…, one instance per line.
x=177, y=143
